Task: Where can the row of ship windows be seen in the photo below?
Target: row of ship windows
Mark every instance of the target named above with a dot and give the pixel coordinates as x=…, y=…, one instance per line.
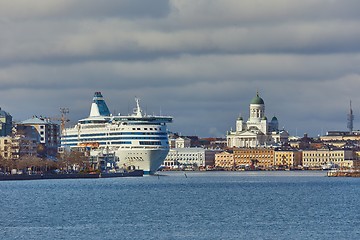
x=117, y=138
x=122, y=142
x=150, y=143
x=139, y=133
x=145, y=129
x=123, y=133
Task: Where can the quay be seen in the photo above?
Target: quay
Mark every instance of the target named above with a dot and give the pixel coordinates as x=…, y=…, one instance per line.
x=12, y=177
x=343, y=173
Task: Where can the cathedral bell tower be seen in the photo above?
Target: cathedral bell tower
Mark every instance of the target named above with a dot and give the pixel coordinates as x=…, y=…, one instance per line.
x=257, y=109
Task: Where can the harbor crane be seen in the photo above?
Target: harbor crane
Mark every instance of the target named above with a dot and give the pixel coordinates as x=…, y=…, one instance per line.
x=63, y=119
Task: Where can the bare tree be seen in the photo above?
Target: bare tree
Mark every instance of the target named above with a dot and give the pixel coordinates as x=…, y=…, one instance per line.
x=2, y=163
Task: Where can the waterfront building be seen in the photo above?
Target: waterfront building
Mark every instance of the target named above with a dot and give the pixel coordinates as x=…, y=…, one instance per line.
x=225, y=159
x=27, y=146
x=5, y=123
x=190, y=157
x=287, y=158
x=9, y=147
x=14, y=147
x=257, y=131
x=254, y=157
x=43, y=131
x=319, y=157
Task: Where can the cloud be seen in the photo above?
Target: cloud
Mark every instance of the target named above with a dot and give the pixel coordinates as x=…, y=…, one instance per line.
x=23, y=10
x=200, y=61
x=124, y=38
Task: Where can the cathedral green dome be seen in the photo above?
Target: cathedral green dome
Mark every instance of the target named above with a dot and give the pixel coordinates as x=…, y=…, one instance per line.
x=257, y=100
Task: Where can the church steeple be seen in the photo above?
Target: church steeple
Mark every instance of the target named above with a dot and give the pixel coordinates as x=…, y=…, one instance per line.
x=257, y=109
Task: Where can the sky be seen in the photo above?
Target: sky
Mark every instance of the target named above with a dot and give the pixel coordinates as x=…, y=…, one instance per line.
x=200, y=61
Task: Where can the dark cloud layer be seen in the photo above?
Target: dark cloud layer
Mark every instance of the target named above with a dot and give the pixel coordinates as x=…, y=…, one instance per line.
x=199, y=61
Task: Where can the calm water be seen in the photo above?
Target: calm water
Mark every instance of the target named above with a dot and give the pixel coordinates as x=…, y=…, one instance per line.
x=211, y=205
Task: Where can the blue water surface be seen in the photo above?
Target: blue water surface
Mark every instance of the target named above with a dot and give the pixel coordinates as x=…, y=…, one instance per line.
x=184, y=205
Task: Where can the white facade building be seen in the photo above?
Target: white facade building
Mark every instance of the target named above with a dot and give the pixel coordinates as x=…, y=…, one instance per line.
x=257, y=131
x=183, y=142
x=185, y=157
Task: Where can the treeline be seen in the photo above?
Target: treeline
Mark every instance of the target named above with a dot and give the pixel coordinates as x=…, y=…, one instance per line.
x=66, y=162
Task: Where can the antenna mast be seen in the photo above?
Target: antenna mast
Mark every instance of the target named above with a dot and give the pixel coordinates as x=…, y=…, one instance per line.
x=350, y=119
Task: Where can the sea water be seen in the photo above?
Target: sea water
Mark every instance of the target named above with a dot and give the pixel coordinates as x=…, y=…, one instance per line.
x=184, y=205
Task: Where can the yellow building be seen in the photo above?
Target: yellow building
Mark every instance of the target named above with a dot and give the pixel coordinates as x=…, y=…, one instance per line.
x=224, y=159
x=287, y=158
x=256, y=157
x=321, y=157
x=9, y=147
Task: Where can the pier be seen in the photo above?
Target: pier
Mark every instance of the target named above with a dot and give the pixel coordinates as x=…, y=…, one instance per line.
x=343, y=173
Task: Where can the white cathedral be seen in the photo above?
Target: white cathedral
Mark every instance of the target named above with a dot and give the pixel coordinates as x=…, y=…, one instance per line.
x=257, y=131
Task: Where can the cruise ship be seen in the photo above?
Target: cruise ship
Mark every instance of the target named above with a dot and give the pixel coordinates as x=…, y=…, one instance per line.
x=138, y=140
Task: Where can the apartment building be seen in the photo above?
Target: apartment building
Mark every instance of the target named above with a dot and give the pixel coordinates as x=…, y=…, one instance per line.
x=257, y=157
x=287, y=158
x=225, y=159
x=320, y=157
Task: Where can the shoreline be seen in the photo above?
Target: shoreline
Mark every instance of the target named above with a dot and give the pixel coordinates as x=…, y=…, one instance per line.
x=22, y=177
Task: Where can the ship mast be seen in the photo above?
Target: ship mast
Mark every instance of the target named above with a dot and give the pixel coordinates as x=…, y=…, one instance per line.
x=137, y=110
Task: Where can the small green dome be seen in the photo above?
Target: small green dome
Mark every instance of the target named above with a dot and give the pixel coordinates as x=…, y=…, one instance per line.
x=257, y=100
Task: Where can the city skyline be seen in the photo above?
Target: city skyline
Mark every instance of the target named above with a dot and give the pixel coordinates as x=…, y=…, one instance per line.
x=199, y=61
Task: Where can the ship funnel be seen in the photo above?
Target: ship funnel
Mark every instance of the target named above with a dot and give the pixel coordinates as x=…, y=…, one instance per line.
x=98, y=106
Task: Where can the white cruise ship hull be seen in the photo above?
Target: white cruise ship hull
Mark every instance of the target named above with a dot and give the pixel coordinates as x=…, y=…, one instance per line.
x=149, y=160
